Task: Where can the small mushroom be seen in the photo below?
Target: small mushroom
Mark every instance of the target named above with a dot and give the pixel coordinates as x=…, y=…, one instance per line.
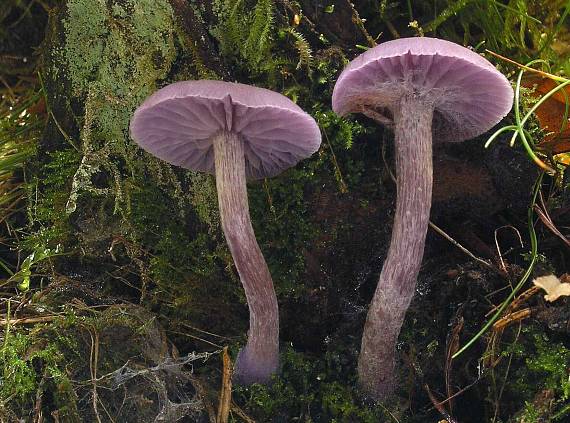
x=422, y=88
x=234, y=131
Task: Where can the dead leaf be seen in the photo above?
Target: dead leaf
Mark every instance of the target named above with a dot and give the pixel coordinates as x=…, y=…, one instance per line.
x=553, y=286
x=550, y=114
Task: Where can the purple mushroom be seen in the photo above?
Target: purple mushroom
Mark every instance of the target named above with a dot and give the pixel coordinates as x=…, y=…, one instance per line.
x=421, y=88
x=234, y=131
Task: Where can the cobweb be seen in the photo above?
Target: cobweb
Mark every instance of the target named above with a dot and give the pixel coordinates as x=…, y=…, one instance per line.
x=169, y=379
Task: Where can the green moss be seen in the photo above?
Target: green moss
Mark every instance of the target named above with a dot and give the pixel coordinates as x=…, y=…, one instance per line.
x=541, y=364
x=550, y=362
x=54, y=362
x=283, y=226
x=162, y=223
x=47, y=210
x=244, y=30
x=32, y=362
x=312, y=390
x=530, y=414
x=18, y=377
x=178, y=248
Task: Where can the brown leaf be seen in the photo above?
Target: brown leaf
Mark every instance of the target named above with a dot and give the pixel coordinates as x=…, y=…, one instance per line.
x=550, y=114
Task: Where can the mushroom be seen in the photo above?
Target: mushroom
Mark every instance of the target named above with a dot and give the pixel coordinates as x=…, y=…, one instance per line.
x=419, y=87
x=234, y=131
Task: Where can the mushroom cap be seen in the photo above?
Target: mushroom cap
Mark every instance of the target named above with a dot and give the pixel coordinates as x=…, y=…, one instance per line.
x=178, y=122
x=468, y=94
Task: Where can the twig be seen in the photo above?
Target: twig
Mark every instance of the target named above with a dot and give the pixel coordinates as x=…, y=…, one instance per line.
x=391, y=28
x=498, y=402
x=226, y=391
x=237, y=410
x=517, y=316
x=518, y=301
x=195, y=337
x=52, y=116
x=269, y=198
x=343, y=186
x=360, y=25
x=205, y=331
x=93, y=363
x=527, y=68
x=388, y=412
x=479, y=377
x=203, y=395
x=545, y=218
x=499, y=252
x=419, y=374
x=451, y=348
x=38, y=415
x=28, y=320
x=438, y=406
x=23, y=15
x=462, y=248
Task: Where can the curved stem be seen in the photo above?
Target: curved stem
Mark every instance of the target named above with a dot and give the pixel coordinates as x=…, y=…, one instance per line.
x=259, y=359
x=413, y=149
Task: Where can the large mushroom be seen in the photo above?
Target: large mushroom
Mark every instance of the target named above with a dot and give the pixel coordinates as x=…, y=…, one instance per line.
x=422, y=88
x=234, y=131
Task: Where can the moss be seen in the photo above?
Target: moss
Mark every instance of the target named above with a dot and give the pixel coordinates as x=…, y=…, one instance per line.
x=541, y=366
x=133, y=45
x=156, y=228
x=49, y=369
x=244, y=30
x=283, y=227
x=550, y=362
x=178, y=247
x=36, y=362
x=47, y=210
x=312, y=390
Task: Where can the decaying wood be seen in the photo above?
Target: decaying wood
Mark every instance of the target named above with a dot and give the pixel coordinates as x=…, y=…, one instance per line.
x=510, y=318
x=226, y=389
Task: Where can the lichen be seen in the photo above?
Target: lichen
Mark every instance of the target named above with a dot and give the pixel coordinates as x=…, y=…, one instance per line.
x=131, y=47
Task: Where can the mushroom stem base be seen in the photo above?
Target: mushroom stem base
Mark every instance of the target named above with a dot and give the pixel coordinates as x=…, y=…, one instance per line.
x=259, y=359
x=396, y=286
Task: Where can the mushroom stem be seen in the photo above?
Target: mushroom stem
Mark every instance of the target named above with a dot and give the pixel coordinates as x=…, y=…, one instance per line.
x=413, y=149
x=259, y=359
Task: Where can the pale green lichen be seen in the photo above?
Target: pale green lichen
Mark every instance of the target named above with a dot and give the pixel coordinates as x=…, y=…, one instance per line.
x=131, y=46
